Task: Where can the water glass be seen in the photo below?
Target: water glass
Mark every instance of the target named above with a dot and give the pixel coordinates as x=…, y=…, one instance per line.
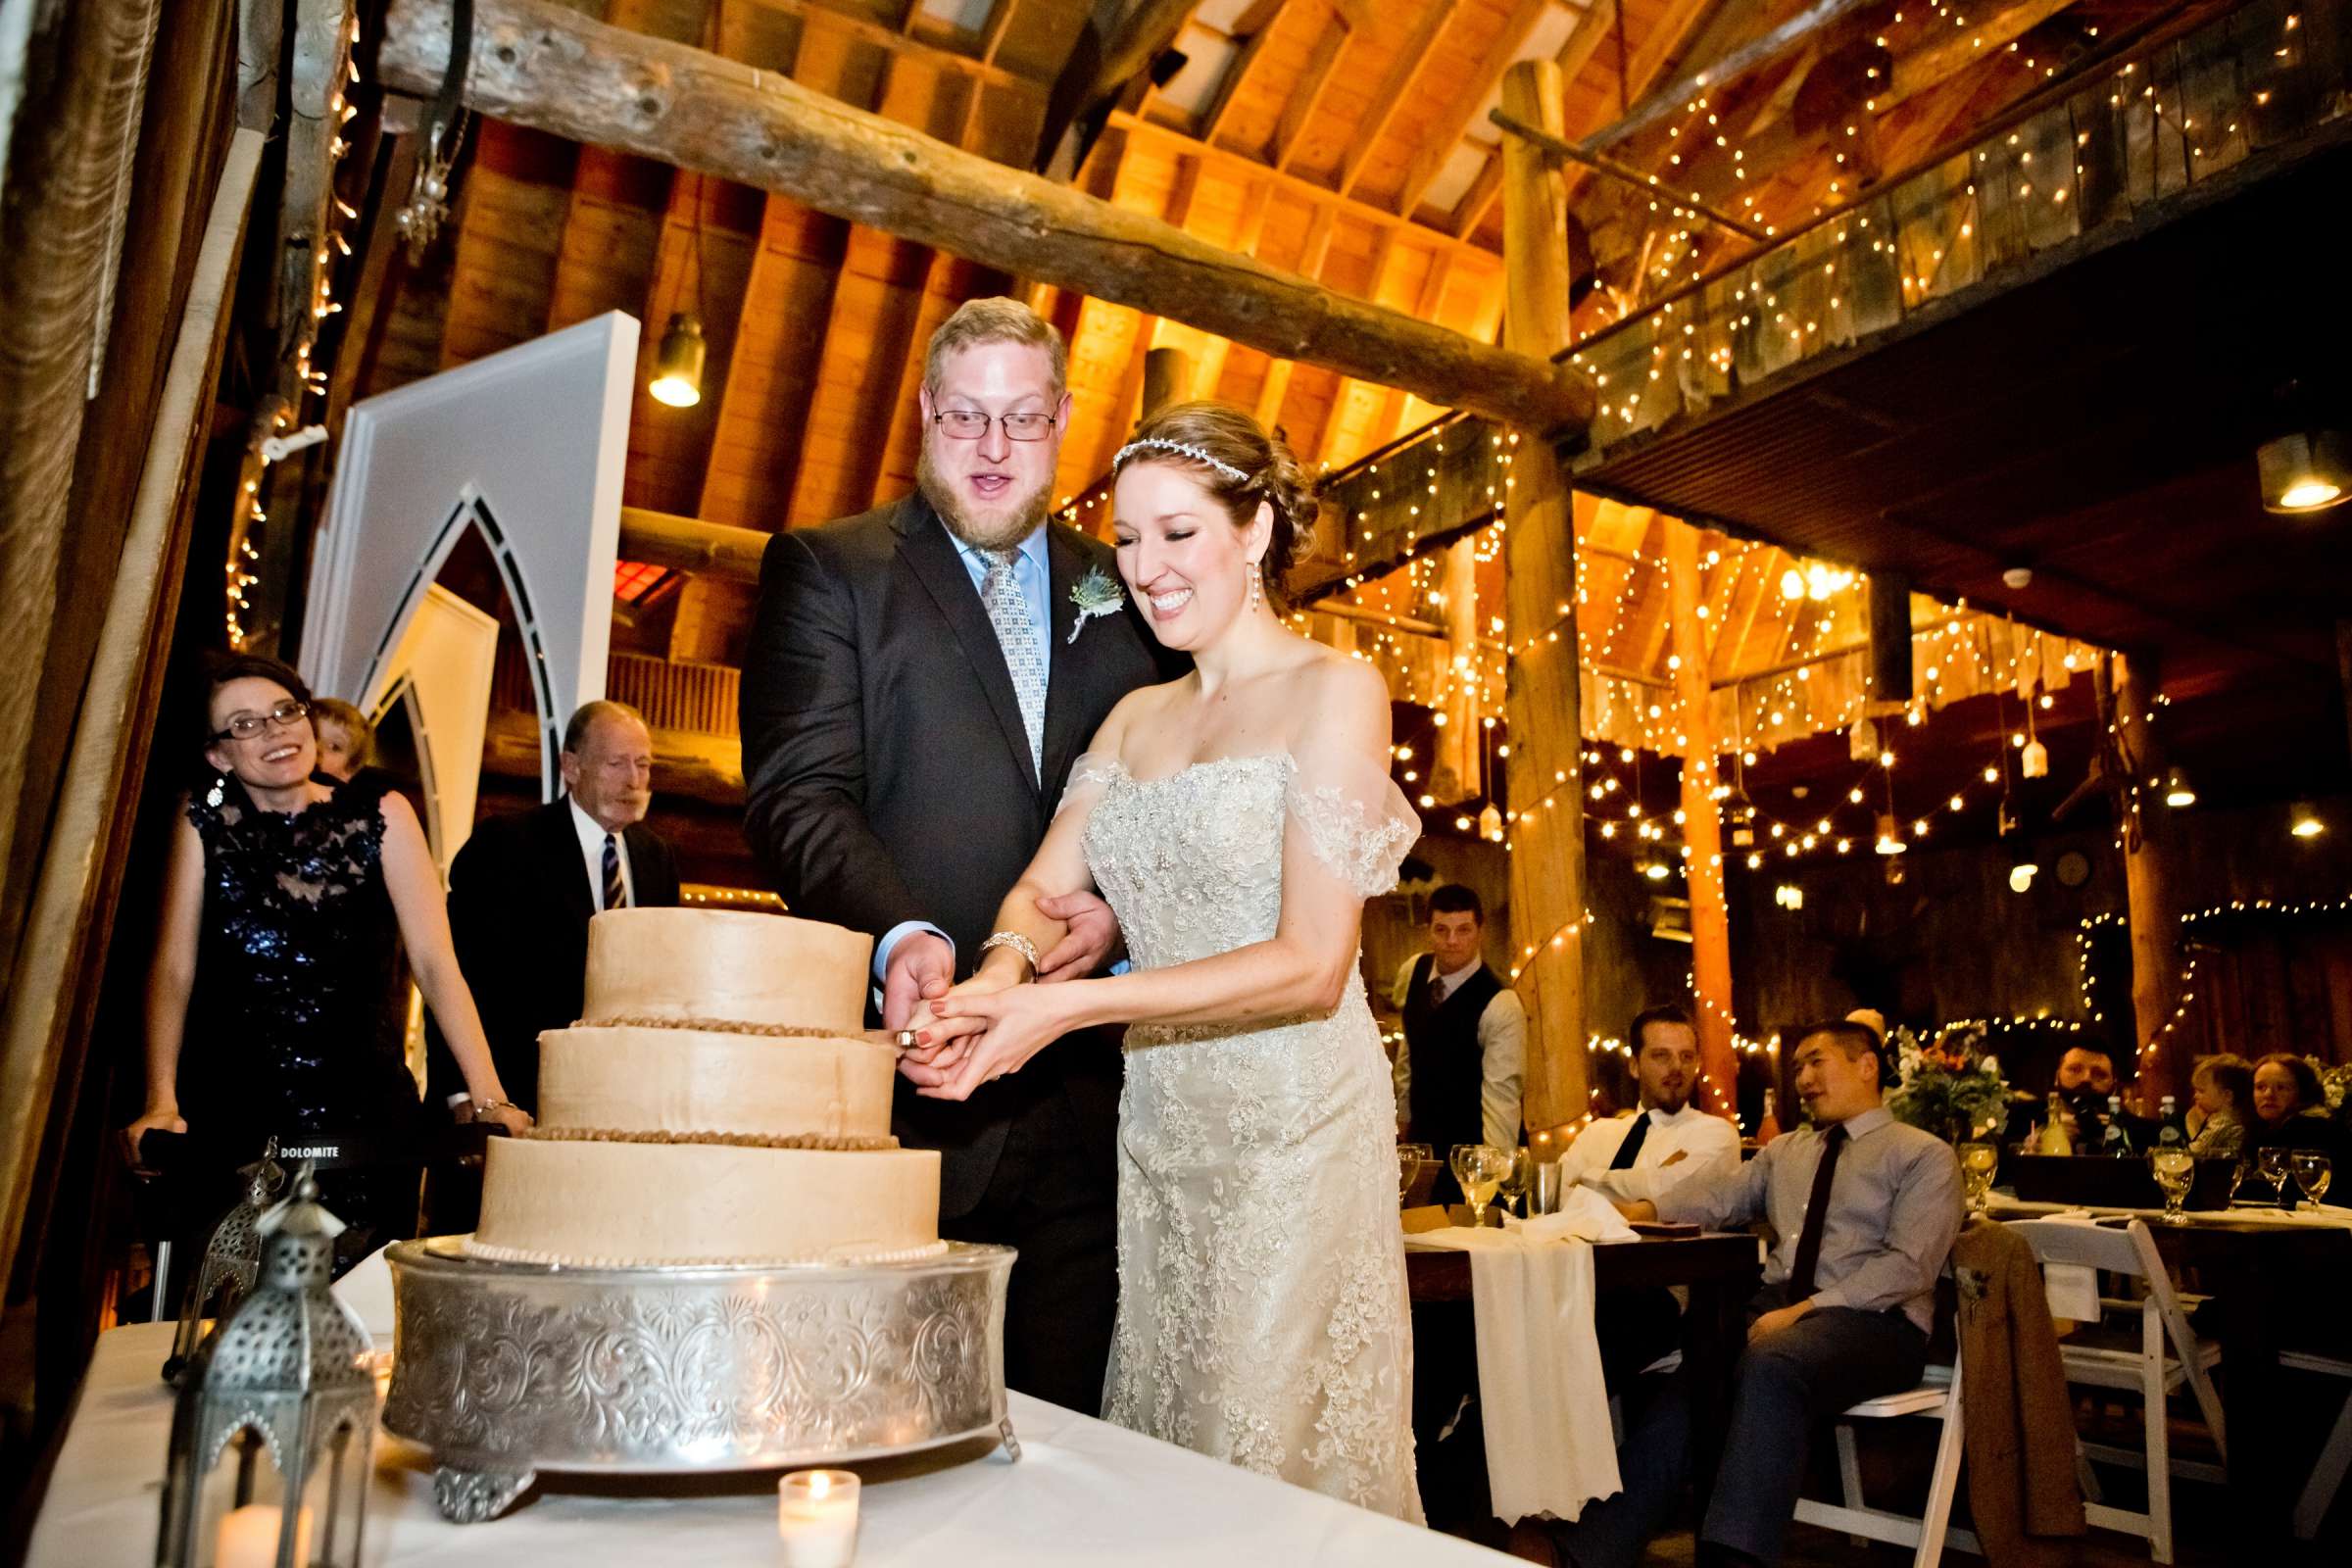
x=1410, y=1157
x=2175, y=1170
x=1544, y=1197
x=2313, y=1170
x=2272, y=1163
x=1978, y=1161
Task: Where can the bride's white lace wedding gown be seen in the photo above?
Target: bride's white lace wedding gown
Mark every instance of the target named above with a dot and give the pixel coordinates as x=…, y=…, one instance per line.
x=1263, y=1313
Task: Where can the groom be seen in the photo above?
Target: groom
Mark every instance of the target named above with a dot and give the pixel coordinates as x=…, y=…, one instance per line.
x=919, y=680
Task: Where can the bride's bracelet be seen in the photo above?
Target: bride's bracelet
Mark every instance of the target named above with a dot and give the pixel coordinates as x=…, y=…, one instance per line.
x=1017, y=943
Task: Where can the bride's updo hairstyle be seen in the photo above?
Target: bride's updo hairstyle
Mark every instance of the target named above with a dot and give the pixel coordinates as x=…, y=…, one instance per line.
x=1240, y=465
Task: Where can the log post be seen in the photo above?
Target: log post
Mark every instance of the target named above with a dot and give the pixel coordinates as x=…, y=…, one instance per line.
x=1543, y=696
x=539, y=63
x=2152, y=883
x=1454, y=770
x=1167, y=379
x=1702, y=827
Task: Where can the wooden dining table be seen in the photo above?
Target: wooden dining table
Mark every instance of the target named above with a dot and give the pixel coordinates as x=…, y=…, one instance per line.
x=1719, y=1272
x=2273, y=1285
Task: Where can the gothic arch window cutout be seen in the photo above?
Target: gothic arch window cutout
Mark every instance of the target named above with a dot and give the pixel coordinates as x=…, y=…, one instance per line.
x=527, y=448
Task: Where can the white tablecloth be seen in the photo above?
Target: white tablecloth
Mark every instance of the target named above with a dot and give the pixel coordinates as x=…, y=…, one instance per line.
x=1542, y=1403
x=1084, y=1492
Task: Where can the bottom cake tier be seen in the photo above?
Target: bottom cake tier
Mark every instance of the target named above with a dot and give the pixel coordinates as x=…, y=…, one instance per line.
x=630, y=1204
x=504, y=1370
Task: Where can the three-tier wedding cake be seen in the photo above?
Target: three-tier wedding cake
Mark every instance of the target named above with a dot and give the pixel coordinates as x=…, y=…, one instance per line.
x=717, y=1105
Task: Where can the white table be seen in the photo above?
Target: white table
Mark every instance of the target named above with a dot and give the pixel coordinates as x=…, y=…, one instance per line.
x=1084, y=1492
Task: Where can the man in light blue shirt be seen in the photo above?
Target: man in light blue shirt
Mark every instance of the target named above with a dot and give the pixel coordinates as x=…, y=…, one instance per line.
x=1864, y=1211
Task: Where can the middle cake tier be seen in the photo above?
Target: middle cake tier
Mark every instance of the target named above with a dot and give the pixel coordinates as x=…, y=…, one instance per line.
x=818, y=1089
x=588, y=1202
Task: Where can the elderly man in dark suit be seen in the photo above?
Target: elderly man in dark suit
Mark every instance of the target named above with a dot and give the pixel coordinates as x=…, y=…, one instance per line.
x=919, y=681
x=521, y=892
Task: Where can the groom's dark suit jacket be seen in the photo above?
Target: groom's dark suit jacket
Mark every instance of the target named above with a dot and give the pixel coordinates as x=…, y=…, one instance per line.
x=888, y=775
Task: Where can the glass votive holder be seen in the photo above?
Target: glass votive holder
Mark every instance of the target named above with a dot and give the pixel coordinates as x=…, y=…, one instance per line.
x=817, y=1518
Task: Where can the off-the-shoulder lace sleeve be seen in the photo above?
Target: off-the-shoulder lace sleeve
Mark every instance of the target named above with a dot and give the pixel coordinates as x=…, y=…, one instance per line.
x=1090, y=777
x=1354, y=819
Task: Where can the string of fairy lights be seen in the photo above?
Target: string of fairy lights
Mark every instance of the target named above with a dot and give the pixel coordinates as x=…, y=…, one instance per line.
x=269, y=442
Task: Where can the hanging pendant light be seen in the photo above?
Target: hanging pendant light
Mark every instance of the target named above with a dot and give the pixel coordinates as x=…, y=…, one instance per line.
x=2304, y=821
x=2304, y=471
x=678, y=365
x=2177, y=790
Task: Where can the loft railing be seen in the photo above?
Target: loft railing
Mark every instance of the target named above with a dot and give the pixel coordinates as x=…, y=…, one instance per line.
x=2151, y=123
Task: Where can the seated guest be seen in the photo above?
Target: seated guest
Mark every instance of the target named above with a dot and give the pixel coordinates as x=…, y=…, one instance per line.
x=2224, y=1104
x=1459, y=1067
x=1666, y=1141
x=344, y=734
x=2291, y=1110
x=2084, y=1083
x=1865, y=1211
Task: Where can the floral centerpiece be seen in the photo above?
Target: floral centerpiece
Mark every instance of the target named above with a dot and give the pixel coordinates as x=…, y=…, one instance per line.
x=2336, y=1088
x=1953, y=1088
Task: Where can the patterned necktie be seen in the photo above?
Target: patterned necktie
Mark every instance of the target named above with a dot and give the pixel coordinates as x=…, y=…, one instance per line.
x=617, y=894
x=1025, y=662
x=1817, y=1216
x=1630, y=1149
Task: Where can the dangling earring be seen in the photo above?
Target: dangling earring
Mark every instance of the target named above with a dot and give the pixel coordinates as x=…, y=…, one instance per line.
x=1254, y=586
x=214, y=796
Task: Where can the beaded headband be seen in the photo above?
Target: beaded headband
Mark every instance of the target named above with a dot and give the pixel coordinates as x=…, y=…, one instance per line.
x=1182, y=450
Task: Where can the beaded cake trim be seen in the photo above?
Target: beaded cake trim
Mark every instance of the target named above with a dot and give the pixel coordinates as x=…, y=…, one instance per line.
x=844, y=1257
x=846, y=1144
x=723, y=1026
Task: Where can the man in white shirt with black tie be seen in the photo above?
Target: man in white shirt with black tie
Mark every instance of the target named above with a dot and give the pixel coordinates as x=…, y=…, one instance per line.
x=1668, y=1139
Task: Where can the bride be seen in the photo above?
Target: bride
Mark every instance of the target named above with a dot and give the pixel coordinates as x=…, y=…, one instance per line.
x=1236, y=820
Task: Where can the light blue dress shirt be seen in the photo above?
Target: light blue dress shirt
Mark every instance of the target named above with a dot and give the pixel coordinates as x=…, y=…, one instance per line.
x=1036, y=577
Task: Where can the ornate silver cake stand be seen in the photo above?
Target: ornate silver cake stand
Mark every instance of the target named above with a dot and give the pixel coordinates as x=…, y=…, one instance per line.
x=507, y=1369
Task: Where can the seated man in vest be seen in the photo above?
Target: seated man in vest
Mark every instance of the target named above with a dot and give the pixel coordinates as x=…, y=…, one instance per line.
x=1864, y=1210
x=1459, y=1068
x=1666, y=1142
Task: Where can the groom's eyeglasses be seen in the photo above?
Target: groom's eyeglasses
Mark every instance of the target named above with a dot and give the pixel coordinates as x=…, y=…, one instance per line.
x=970, y=425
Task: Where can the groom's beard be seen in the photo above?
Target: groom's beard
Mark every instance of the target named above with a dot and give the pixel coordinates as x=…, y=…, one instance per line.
x=984, y=527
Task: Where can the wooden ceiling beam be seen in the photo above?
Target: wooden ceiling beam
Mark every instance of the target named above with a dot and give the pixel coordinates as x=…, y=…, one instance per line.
x=1395, y=88
x=1307, y=92
x=1313, y=256
x=1255, y=25
x=1210, y=373
x=1443, y=135
x=1660, y=48
x=1350, y=398
x=1177, y=214
x=537, y=63
x=1292, y=187
x=884, y=35
x=1659, y=103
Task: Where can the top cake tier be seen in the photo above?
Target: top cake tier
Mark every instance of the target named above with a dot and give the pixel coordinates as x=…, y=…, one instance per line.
x=723, y=965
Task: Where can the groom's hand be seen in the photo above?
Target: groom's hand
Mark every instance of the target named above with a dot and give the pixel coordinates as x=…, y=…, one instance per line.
x=1093, y=931
x=922, y=968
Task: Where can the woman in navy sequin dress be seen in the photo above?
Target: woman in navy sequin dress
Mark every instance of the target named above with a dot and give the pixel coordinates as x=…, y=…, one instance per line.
x=283, y=907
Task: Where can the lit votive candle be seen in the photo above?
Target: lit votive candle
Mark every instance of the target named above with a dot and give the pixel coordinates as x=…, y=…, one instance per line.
x=817, y=1518
x=248, y=1537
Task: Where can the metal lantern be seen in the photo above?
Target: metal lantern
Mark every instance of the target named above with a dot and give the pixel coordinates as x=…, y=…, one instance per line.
x=232, y=1258
x=272, y=1436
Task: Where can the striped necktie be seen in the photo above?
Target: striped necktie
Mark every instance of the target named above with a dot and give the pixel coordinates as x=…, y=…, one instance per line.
x=616, y=892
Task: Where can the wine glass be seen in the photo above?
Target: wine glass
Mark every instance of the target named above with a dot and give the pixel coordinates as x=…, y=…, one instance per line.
x=1480, y=1168
x=2313, y=1170
x=2273, y=1162
x=1409, y=1160
x=1516, y=1182
x=2239, y=1170
x=1978, y=1161
x=2175, y=1170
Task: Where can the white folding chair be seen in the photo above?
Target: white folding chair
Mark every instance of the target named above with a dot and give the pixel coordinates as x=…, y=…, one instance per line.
x=1938, y=1398
x=2336, y=1456
x=2151, y=1370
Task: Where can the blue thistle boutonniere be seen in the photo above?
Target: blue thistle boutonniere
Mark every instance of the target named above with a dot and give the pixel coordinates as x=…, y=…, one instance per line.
x=1095, y=594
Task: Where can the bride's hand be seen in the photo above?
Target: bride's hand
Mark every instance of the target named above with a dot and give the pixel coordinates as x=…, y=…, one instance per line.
x=1015, y=1024
x=941, y=1045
